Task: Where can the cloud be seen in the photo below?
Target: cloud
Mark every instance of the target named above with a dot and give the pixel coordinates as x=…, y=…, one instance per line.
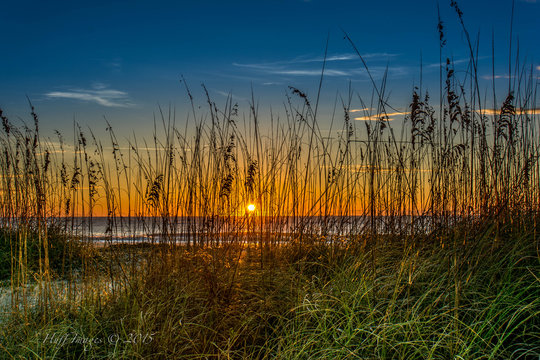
x=378, y=116
x=115, y=64
x=452, y=62
x=491, y=77
x=338, y=57
x=376, y=71
x=340, y=65
x=334, y=58
x=306, y=59
x=504, y=76
x=99, y=95
x=530, y=1
x=327, y=72
x=519, y=111
x=284, y=70
x=320, y=59
x=230, y=95
x=99, y=85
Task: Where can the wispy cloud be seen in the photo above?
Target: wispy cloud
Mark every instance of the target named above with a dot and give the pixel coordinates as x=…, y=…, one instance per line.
x=229, y=94
x=344, y=71
x=338, y=57
x=519, y=111
x=115, y=64
x=99, y=85
x=328, y=72
x=378, y=72
x=391, y=116
x=99, y=95
x=318, y=59
x=288, y=70
x=453, y=62
x=491, y=77
x=345, y=65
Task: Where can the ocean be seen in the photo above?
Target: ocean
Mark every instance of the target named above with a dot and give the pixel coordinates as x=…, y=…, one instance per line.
x=219, y=228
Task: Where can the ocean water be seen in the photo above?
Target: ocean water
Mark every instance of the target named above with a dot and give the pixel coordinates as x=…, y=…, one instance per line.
x=192, y=229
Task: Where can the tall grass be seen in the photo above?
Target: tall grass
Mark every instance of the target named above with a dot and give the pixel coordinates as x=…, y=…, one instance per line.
x=412, y=241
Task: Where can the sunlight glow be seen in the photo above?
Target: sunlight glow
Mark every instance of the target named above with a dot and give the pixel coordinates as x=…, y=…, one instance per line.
x=251, y=208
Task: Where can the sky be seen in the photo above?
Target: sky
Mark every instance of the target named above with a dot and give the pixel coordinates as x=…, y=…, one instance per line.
x=86, y=60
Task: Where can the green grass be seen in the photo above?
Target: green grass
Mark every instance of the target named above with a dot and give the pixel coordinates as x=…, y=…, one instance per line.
x=319, y=306
x=409, y=309
x=19, y=251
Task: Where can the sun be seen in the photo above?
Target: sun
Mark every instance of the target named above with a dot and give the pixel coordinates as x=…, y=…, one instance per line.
x=251, y=207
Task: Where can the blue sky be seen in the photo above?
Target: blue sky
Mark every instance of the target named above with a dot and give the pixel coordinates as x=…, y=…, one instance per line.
x=120, y=59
